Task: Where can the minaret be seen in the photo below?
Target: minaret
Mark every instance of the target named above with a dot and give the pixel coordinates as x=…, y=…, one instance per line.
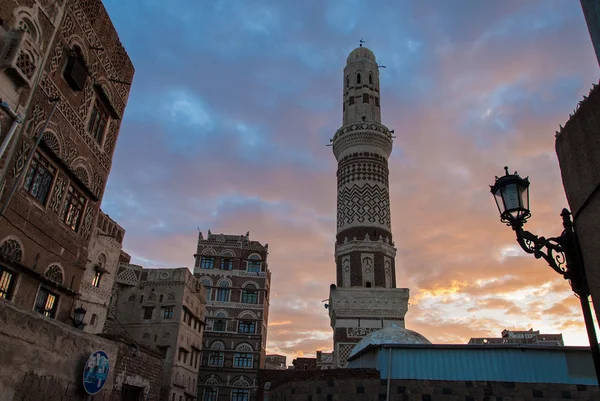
x=365, y=297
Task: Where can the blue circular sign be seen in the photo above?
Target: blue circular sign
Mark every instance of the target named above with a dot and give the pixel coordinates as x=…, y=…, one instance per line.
x=95, y=372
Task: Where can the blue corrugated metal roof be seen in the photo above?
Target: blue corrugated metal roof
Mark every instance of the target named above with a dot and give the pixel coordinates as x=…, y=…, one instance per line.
x=513, y=364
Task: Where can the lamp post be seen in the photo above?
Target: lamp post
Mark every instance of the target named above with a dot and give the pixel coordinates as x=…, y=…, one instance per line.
x=562, y=253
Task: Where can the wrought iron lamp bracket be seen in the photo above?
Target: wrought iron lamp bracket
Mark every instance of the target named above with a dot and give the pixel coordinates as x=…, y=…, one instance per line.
x=551, y=250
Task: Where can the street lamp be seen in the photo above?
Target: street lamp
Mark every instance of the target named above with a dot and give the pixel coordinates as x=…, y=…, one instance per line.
x=78, y=315
x=562, y=253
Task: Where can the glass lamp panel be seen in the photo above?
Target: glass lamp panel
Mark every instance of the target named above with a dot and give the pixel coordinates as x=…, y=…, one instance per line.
x=499, y=201
x=524, y=195
x=511, y=197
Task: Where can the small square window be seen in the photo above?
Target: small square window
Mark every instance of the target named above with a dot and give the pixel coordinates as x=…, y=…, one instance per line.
x=148, y=312
x=167, y=313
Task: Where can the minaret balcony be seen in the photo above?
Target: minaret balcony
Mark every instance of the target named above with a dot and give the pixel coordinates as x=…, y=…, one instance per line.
x=366, y=137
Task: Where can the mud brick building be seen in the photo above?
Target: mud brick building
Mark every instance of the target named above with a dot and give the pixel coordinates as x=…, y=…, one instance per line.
x=64, y=53
x=162, y=309
x=235, y=271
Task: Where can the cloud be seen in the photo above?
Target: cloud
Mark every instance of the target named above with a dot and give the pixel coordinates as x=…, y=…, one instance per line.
x=232, y=107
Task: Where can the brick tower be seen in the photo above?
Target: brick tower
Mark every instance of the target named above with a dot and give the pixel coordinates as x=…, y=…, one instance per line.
x=365, y=297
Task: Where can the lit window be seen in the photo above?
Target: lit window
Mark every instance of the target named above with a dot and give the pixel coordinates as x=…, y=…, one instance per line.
x=207, y=262
x=46, y=303
x=247, y=327
x=97, y=123
x=96, y=279
x=6, y=283
x=73, y=209
x=39, y=178
x=167, y=313
x=242, y=360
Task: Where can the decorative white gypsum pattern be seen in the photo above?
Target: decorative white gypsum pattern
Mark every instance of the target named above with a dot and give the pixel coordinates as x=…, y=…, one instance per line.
x=363, y=205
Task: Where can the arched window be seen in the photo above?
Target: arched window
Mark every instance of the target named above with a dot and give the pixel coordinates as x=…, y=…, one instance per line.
x=370, y=79
x=160, y=298
x=250, y=294
x=216, y=354
x=254, y=263
x=220, y=324
x=55, y=274
x=227, y=260
x=223, y=291
x=94, y=320
x=11, y=249
x=358, y=78
x=347, y=82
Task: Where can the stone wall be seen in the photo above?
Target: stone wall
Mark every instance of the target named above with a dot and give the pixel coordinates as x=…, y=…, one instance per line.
x=578, y=151
x=359, y=384
x=43, y=360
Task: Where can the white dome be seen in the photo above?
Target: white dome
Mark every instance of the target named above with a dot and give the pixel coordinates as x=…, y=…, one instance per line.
x=393, y=335
x=360, y=53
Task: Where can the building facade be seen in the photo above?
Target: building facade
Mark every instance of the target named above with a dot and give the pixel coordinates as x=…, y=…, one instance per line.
x=62, y=67
x=163, y=309
x=591, y=12
x=235, y=271
x=529, y=337
x=105, y=250
x=275, y=362
x=365, y=297
x=578, y=154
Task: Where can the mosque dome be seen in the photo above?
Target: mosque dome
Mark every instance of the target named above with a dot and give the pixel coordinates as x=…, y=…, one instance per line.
x=393, y=335
x=360, y=53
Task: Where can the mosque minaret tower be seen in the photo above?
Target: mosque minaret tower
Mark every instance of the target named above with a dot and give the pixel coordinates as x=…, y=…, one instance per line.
x=365, y=297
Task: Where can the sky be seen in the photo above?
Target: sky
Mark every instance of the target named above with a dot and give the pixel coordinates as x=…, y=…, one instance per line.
x=234, y=102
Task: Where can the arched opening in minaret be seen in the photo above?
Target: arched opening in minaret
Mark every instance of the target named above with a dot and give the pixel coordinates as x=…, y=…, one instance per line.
x=368, y=284
x=370, y=79
x=347, y=82
x=358, y=78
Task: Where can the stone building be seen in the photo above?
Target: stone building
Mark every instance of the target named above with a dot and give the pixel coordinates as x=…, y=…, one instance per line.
x=163, y=309
x=105, y=250
x=43, y=360
x=65, y=54
x=325, y=360
x=591, y=12
x=521, y=337
x=304, y=363
x=365, y=297
x=235, y=271
x=578, y=152
x=275, y=362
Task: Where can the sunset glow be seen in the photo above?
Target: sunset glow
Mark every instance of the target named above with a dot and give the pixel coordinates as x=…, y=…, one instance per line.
x=232, y=107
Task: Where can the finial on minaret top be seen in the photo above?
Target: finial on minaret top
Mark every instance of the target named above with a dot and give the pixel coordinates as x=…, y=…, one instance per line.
x=361, y=42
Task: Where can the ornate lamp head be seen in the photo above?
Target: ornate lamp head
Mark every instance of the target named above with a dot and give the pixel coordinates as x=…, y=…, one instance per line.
x=511, y=193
